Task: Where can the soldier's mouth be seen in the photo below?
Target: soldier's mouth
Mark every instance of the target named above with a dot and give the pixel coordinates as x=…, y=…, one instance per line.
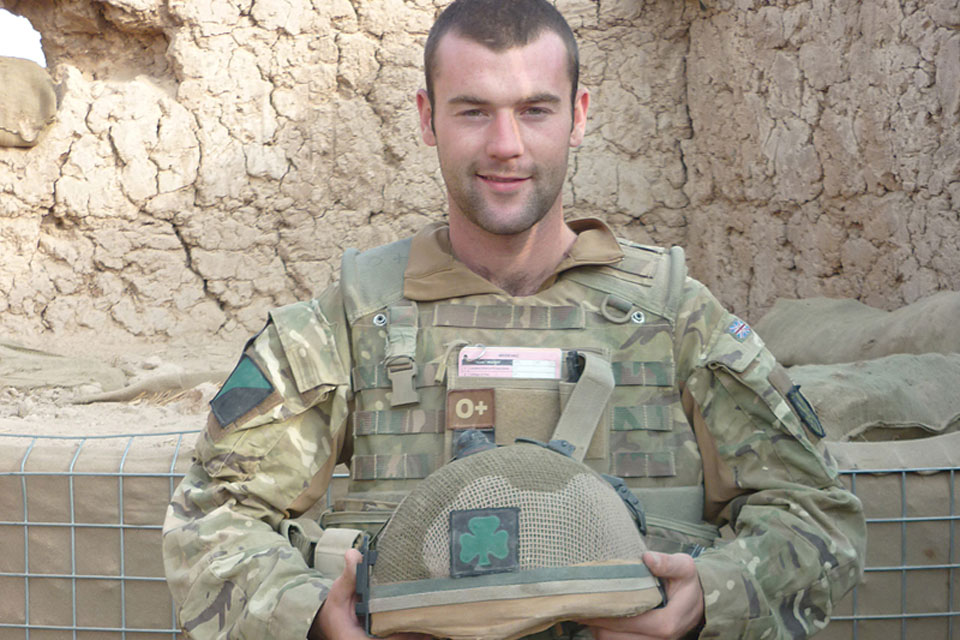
x=502, y=178
x=502, y=183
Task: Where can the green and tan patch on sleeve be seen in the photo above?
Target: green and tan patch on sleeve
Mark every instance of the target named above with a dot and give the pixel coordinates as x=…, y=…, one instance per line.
x=243, y=391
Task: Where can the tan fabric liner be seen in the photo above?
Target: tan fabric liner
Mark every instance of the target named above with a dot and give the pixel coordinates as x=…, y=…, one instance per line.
x=511, y=619
x=509, y=592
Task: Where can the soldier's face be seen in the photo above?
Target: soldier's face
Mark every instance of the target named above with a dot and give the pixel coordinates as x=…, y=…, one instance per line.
x=503, y=125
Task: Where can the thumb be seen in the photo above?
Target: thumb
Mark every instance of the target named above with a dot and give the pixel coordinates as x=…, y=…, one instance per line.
x=349, y=576
x=669, y=565
x=345, y=585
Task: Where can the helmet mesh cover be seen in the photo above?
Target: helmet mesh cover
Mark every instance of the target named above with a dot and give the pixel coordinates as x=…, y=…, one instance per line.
x=568, y=514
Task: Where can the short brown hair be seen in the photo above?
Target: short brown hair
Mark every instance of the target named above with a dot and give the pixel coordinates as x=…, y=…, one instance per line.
x=500, y=25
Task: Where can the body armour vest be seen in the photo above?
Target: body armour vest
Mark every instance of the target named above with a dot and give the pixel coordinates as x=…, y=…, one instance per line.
x=425, y=371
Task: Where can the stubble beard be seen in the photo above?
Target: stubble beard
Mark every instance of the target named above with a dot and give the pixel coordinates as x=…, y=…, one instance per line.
x=483, y=212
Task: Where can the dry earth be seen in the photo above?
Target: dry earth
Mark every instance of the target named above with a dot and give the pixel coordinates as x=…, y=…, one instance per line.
x=158, y=389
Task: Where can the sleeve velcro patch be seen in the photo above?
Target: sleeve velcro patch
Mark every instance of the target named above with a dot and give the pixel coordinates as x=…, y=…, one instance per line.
x=246, y=388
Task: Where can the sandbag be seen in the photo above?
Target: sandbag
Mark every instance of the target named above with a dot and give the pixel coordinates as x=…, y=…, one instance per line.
x=911, y=496
x=892, y=398
x=828, y=331
x=25, y=368
x=28, y=102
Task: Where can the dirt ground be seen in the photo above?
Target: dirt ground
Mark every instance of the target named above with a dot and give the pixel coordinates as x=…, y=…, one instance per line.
x=143, y=388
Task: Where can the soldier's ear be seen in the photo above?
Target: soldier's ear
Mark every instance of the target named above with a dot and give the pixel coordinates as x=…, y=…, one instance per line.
x=580, y=105
x=426, y=118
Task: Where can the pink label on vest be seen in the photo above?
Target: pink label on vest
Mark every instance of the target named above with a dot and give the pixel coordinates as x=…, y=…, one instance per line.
x=509, y=362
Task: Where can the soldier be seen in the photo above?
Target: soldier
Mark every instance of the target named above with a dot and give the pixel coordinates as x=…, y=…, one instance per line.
x=492, y=323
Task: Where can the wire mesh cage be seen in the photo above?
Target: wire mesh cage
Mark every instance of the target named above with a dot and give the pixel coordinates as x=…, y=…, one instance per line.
x=81, y=519
x=910, y=492
x=910, y=587
x=80, y=529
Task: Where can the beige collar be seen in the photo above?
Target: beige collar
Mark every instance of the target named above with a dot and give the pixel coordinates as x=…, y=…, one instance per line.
x=433, y=273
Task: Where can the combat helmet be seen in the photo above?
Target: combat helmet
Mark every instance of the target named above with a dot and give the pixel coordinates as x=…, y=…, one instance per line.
x=503, y=544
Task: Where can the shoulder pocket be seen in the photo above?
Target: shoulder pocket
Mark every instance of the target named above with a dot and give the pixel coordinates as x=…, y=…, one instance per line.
x=308, y=342
x=743, y=366
x=735, y=348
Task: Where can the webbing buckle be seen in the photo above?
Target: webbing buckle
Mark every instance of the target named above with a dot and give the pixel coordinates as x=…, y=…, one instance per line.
x=402, y=371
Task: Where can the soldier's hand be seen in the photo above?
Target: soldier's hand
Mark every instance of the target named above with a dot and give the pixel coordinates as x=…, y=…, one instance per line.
x=337, y=618
x=682, y=613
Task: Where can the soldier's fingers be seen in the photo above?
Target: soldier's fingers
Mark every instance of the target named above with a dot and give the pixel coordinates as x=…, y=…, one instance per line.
x=611, y=625
x=656, y=623
x=337, y=618
x=682, y=611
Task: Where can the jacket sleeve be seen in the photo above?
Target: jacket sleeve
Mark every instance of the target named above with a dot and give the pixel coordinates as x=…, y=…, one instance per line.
x=800, y=537
x=268, y=452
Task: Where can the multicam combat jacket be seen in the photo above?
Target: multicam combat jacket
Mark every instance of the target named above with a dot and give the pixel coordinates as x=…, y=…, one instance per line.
x=699, y=425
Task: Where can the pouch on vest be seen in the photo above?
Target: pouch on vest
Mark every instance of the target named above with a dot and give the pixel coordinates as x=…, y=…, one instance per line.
x=508, y=408
x=322, y=549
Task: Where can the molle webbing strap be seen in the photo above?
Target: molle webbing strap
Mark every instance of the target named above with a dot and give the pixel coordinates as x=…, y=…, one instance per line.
x=394, y=466
x=583, y=410
x=373, y=280
x=402, y=323
x=400, y=359
x=302, y=533
x=322, y=549
x=680, y=503
x=678, y=274
x=410, y=421
x=648, y=278
x=499, y=316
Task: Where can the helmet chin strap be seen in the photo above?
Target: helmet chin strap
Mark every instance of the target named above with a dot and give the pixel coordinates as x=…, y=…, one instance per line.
x=363, y=582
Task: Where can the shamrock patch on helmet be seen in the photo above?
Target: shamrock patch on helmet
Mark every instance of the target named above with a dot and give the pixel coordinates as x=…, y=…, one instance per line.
x=483, y=541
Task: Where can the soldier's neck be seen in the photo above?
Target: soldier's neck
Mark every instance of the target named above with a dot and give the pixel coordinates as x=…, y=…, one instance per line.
x=519, y=264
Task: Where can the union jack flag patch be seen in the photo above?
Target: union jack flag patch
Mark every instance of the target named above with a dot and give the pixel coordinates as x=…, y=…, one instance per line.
x=739, y=329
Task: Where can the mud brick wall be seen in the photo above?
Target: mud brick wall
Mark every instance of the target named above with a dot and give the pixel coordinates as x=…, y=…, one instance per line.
x=211, y=160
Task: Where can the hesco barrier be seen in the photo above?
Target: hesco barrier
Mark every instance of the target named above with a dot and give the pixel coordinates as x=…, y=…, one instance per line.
x=910, y=491
x=81, y=518
x=80, y=528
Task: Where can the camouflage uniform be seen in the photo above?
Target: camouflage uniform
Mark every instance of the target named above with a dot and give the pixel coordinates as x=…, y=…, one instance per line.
x=698, y=410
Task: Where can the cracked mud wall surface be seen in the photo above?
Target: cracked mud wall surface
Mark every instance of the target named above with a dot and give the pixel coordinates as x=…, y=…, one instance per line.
x=211, y=160
x=825, y=156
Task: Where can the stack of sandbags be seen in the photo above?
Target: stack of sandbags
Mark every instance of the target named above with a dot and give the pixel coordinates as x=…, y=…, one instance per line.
x=828, y=331
x=896, y=397
x=24, y=368
x=872, y=374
